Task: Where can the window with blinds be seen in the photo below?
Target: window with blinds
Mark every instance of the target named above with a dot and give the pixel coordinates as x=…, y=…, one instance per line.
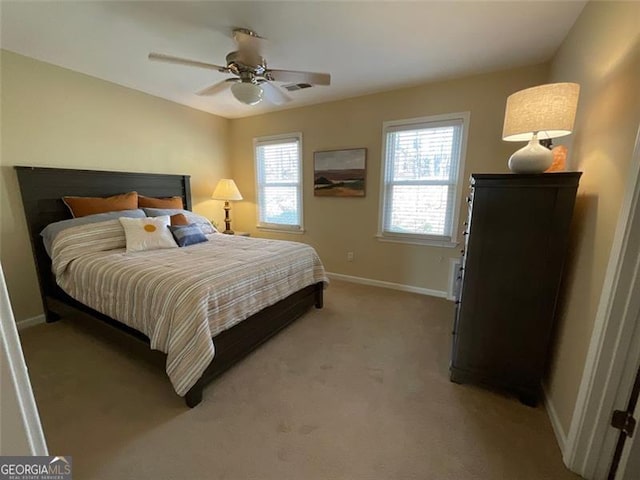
x=421, y=169
x=279, y=181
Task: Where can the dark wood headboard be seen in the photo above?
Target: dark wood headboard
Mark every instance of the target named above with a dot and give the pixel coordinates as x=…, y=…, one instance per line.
x=42, y=190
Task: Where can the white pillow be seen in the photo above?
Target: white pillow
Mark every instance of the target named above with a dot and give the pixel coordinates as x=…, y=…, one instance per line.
x=148, y=233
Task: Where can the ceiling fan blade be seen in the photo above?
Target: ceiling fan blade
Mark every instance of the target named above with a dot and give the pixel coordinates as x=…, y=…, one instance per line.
x=161, y=57
x=299, y=77
x=216, y=87
x=274, y=94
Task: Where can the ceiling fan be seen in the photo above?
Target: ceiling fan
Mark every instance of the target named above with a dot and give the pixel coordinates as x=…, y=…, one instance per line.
x=252, y=81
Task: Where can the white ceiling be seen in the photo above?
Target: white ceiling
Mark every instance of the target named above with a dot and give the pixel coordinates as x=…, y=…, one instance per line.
x=366, y=46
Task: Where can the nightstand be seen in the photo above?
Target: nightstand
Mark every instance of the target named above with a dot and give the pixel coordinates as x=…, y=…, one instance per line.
x=242, y=234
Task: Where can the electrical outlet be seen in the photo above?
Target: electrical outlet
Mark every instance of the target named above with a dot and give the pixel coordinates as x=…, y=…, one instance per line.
x=349, y=256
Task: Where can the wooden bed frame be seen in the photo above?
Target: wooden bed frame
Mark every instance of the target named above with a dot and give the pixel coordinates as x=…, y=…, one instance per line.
x=42, y=190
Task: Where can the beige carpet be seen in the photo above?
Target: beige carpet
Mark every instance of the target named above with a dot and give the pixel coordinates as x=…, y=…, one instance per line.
x=358, y=390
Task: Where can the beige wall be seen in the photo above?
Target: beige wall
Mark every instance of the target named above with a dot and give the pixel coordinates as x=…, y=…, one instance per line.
x=55, y=117
x=335, y=226
x=602, y=54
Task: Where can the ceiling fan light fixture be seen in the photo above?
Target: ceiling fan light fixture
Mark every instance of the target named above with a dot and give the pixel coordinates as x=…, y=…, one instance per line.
x=247, y=93
x=251, y=77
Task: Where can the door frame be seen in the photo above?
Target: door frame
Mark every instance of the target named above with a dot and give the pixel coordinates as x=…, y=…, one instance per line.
x=614, y=351
x=26, y=404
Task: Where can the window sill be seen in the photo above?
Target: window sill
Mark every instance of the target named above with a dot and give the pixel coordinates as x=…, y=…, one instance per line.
x=300, y=231
x=417, y=241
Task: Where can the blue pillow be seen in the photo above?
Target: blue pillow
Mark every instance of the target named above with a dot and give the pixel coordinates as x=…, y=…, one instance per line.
x=52, y=230
x=186, y=235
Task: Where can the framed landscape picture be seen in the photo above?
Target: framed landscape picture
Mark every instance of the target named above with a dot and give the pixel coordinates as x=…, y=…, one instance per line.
x=340, y=173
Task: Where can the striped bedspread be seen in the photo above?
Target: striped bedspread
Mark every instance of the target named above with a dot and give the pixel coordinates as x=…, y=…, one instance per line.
x=180, y=297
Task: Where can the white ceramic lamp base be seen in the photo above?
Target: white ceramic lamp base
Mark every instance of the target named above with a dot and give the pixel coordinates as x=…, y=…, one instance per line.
x=532, y=158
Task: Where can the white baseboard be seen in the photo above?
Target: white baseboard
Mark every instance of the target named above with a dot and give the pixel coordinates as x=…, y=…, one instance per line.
x=30, y=322
x=391, y=285
x=561, y=435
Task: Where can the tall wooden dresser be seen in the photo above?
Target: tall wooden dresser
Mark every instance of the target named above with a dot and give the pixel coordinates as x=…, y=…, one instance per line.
x=516, y=240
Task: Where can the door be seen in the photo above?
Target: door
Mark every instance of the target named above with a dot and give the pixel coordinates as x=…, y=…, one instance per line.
x=630, y=462
x=626, y=459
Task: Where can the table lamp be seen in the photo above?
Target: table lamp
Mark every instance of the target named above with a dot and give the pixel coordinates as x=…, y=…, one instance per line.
x=542, y=112
x=226, y=190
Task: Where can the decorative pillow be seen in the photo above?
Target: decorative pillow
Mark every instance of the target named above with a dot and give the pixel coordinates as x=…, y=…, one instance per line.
x=83, y=206
x=53, y=229
x=204, y=223
x=147, y=233
x=187, y=235
x=178, y=219
x=150, y=202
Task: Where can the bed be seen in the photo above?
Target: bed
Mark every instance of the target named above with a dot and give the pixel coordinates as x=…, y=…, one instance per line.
x=42, y=190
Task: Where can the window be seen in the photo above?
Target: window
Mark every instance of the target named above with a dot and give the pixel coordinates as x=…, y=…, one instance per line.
x=279, y=181
x=422, y=162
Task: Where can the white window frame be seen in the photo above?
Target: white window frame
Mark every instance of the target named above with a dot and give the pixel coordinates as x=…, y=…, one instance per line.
x=414, y=238
x=275, y=139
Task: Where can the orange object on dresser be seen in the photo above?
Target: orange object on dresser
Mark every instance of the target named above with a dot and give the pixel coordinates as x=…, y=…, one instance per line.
x=559, y=159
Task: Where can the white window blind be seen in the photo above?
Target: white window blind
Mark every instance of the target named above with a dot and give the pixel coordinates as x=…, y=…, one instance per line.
x=420, y=173
x=279, y=182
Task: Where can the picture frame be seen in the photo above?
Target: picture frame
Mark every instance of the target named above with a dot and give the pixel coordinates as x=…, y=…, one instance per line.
x=340, y=173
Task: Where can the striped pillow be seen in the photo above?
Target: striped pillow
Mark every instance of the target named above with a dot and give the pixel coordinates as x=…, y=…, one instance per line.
x=186, y=235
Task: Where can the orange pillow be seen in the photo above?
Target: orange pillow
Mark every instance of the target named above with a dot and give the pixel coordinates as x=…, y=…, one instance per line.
x=178, y=219
x=83, y=206
x=150, y=202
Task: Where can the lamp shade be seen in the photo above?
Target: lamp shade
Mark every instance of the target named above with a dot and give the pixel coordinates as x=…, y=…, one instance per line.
x=549, y=110
x=247, y=92
x=226, y=190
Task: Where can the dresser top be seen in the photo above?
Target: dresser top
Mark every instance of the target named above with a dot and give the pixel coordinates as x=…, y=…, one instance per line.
x=559, y=179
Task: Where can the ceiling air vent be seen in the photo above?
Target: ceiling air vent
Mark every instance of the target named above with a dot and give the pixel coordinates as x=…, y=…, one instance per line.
x=292, y=87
